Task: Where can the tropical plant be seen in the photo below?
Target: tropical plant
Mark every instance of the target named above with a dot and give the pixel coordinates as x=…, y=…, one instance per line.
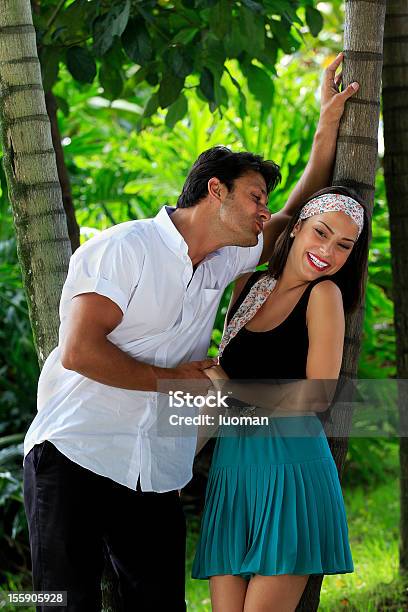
x=168, y=42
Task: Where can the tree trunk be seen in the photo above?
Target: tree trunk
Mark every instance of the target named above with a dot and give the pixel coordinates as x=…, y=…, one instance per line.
x=51, y=105
x=395, y=110
x=73, y=227
x=43, y=243
x=355, y=166
x=29, y=163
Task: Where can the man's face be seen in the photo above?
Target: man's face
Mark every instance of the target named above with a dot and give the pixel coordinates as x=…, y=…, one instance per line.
x=244, y=209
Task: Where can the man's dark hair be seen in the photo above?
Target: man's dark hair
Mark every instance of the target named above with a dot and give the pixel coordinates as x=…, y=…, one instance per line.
x=227, y=166
x=351, y=278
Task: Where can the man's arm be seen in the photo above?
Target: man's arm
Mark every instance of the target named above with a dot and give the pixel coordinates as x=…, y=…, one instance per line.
x=87, y=350
x=318, y=171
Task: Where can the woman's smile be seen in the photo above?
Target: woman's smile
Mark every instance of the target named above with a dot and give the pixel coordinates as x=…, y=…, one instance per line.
x=316, y=262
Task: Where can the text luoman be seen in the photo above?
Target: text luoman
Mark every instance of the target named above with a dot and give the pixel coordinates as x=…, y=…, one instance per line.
x=202, y=420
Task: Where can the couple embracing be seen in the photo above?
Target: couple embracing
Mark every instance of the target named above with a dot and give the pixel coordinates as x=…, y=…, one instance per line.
x=137, y=308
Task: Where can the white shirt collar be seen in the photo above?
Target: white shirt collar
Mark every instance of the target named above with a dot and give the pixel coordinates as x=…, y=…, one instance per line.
x=170, y=234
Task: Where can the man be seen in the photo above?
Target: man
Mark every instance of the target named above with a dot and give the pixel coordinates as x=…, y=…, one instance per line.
x=137, y=307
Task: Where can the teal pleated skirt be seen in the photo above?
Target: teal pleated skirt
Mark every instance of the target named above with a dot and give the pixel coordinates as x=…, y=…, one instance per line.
x=273, y=504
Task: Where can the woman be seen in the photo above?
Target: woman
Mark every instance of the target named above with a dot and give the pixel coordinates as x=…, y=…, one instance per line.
x=274, y=512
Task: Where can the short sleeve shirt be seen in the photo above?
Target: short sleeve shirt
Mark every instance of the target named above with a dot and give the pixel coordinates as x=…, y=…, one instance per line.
x=168, y=315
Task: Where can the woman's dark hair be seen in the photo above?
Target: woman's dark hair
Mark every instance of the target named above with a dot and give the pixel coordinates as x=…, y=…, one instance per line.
x=227, y=166
x=351, y=278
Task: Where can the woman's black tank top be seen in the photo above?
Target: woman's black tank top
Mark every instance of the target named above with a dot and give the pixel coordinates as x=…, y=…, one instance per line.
x=280, y=353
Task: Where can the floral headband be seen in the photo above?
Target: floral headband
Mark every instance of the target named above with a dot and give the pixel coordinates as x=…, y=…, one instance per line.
x=333, y=202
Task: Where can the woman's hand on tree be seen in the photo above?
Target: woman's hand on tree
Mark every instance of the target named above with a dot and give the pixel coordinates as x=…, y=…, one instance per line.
x=332, y=99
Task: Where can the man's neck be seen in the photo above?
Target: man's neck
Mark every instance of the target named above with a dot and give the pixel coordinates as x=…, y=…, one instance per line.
x=197, y=227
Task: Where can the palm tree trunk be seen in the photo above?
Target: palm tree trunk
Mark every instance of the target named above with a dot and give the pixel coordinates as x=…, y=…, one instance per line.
x=395, y=110
x=29, y=162
x=43, y=243
x=51, y=105
x=355, y=166
x=72, y=224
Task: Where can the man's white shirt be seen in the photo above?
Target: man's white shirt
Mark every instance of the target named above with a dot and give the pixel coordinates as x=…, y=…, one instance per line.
x=168, y=315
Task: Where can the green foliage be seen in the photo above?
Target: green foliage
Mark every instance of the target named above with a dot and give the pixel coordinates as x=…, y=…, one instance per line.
x=377, y=358
x=371, y=461
x=18, y=381
x=168, y=46
x=16, y=347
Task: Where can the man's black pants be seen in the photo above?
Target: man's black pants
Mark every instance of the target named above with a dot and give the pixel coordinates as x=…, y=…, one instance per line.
x=74, y=515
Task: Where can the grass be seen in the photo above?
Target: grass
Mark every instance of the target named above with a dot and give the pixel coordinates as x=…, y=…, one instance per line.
x=15, y=583
x=373, y=519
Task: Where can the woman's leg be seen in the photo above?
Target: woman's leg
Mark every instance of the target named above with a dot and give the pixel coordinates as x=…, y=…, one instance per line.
x=274, y=593
x=228, y=593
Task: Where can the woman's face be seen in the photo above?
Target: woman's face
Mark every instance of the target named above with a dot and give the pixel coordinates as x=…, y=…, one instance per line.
x=322, y=244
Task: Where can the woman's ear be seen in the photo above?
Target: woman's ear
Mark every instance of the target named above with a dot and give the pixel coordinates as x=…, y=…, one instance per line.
x=296, y=228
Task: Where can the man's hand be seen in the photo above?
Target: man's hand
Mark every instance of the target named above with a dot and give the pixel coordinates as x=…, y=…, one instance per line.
x=216, y=378
x=332, y=100
x=193, y=369
x=187, y=377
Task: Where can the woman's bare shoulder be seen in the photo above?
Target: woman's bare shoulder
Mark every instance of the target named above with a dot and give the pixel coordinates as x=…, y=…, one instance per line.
x=326, y=288
x=325, y=300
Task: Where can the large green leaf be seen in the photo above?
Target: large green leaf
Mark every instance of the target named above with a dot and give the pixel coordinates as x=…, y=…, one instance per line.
x=81, y=64
x=220, y=18
x=207, y=85
x=235, y=40
x=170, y=88
x=50, y=59
x=282, y=34
x=185, y=36
x=176, y=111
x=260, y=85
x=152, y=105
x=220, y=94
x=137, y=42
x=111, y=81
x=314, y=20
x=254, y=30
x=110, y=25
x=179, y=60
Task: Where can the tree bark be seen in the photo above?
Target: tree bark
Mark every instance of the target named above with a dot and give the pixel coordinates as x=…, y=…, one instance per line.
x=43, y=243
x=355, y=166
x=73, y=227
x=51, y=105
x=395, y=111
x=29, y=162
